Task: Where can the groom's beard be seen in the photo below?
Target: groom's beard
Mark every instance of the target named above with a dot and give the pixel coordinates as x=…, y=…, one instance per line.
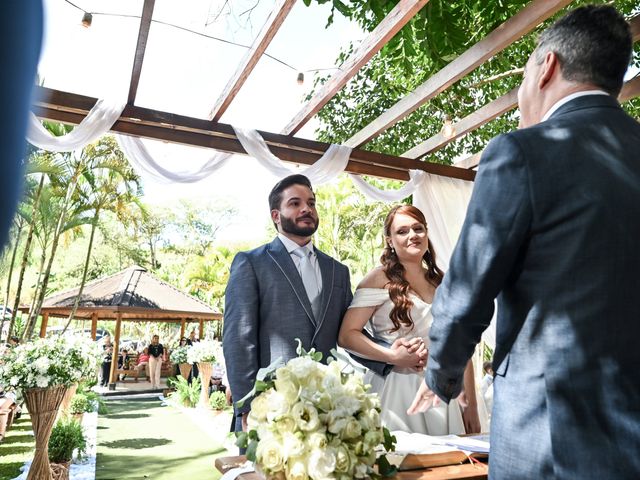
x=290, y=226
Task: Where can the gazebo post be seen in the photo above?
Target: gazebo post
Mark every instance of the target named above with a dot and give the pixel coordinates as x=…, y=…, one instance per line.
x=116, y=352
x=183, y=326
x=201, y=330
x=94, y=325
x=43, y=325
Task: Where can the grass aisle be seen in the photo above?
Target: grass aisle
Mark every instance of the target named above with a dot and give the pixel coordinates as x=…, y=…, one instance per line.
x=17, y=447
x=141, y=439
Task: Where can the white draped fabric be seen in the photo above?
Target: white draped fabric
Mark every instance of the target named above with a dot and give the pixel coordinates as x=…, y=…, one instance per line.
x=141, y=160
x=98, y=122
x=416, y=180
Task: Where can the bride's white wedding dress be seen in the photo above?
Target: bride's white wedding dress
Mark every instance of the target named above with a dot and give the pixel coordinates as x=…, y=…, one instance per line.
x=399, y=387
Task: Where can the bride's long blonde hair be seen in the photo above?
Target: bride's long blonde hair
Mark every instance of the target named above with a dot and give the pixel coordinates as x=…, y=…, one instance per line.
x=394, y=270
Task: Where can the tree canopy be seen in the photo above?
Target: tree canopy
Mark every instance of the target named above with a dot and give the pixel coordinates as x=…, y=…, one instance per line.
x=439, y=33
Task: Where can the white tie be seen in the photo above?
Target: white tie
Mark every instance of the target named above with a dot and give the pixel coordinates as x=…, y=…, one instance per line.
x=307, y=272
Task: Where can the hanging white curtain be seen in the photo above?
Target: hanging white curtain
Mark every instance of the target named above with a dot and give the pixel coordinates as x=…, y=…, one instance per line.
x=142, y=160
x=97, y=122
x=416, y=179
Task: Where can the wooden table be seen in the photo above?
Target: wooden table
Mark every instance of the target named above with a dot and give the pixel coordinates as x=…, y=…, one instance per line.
x=464, y=470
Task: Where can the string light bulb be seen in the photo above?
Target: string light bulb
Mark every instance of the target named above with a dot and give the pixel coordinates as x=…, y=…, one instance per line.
x=448, y=129
x=87, y=18
x=300, y=78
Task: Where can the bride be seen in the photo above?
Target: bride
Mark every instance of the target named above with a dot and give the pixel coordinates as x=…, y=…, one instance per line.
x=394, y=302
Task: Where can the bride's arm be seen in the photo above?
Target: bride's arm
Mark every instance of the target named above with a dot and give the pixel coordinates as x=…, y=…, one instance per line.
x=468, y=401
x=352, y=339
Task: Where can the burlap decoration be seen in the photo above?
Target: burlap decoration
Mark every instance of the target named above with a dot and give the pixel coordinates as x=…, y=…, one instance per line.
x=60, y=471
x=66, y=401
x=205, y=369
x=185, y=370
x=43, y=404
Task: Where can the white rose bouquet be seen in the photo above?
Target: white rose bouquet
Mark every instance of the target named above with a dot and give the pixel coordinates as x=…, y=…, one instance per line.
x=48, y=362
x=204, y=351
x=180, y=355
x=312, y=421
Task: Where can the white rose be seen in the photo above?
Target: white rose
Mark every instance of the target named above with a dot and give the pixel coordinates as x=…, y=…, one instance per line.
x=269, y=456
x=296, y=469
x=287, y=385
x=285, y=423
x=259, y=407
x=278, y=405
x=316, y=441
x=344, y=460
x=335, y=422
x=292, y=445
x=322, y=463
x=352, y=429
x=42, y=364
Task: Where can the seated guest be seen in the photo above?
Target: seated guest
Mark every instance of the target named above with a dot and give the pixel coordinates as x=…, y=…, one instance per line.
x=143, y=362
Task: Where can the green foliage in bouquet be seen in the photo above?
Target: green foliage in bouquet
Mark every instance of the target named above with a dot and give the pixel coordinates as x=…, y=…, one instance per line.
x=218, y=400
x=186, y=394
x=66, y=436
x=179, y=355
x=80, y=404
x=311, y=420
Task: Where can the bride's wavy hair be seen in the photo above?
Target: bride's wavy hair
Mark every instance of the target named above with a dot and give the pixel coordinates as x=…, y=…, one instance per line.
x=394, y=270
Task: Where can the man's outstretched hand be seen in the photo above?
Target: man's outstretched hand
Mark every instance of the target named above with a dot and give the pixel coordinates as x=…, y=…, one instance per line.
x=424, y=400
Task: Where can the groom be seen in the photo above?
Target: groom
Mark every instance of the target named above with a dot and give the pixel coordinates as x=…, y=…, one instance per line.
x=552, y=230
x=281, y=291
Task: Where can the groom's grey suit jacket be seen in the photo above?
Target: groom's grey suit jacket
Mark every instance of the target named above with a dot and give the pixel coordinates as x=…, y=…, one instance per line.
x=553, y=231
x=267, y=308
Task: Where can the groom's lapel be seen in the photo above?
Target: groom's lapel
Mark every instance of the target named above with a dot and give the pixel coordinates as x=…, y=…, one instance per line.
x=282, y=259
x=328, y=271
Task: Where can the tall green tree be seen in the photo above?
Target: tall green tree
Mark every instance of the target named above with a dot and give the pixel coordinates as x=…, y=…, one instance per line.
x=110, y=186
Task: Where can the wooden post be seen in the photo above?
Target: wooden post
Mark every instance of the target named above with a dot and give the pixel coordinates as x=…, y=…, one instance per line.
x=43, y=325
x=94, y=325
x=183, y=326
x=201, y=330
x=114, y=357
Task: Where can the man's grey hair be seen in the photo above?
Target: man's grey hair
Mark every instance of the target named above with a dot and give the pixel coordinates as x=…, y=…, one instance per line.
x=593, y=45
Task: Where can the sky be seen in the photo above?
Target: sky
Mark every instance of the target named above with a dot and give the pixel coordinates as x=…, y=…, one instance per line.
x=184, y=73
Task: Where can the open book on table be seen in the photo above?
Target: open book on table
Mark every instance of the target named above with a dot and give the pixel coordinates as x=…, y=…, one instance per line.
x=415, y=450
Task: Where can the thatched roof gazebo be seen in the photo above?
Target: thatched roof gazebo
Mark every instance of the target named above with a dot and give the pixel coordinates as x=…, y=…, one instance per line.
x=132, y=294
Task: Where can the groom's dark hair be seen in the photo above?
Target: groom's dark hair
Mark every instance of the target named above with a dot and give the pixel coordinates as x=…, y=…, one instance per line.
x=275, y=197
x=593, y=44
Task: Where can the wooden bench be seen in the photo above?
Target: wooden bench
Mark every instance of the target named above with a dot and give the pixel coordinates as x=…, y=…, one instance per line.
x=7, y=414
x=130, y=372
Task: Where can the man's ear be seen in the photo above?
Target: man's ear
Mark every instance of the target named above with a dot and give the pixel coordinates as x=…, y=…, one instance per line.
x=550, y=67
x=275, y=216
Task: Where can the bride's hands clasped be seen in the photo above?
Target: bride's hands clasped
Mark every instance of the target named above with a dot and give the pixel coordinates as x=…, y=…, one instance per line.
x=409, y=353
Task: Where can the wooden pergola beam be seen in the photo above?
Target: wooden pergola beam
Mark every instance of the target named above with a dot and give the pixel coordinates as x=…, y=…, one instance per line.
x=520, y=24
x=143, y=122
x=501, y=105
x=385, y=31
x=471, y=122
x=143, y=36
x=259, y=46
x=630, y=90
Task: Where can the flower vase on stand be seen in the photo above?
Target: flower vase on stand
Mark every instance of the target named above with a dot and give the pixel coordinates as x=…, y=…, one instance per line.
x=43, y=404
x=205, y=369
x=185, y=370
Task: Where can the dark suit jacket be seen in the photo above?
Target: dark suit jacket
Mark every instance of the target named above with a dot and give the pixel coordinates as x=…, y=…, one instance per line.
x=552, y=230
x=267, y=308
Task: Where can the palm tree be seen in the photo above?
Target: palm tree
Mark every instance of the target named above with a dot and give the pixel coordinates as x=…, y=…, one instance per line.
x=44, y=163
x=112, y=185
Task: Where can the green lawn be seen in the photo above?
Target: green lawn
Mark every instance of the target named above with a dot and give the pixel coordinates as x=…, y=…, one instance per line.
x=141, y=439
x=16, y=448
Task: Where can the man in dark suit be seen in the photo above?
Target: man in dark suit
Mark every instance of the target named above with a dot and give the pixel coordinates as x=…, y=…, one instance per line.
x=281, y=291
x=552, y=231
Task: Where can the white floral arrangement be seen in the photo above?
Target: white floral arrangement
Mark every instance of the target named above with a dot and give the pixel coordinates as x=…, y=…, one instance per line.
x=48, y=362
x=204, y=351
x=312, y=421
x=180, y=355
